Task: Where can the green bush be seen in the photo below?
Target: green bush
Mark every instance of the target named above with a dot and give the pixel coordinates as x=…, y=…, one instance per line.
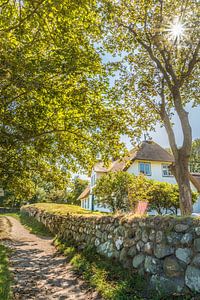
x=122, y=191
x=112, y=190
x=5, y=276
x=164, y=197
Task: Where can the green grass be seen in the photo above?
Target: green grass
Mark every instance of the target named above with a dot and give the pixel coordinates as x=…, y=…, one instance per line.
x=5, y=276
x=109, y=278
x=14, y=215
x=63, y=209
x=33, y=225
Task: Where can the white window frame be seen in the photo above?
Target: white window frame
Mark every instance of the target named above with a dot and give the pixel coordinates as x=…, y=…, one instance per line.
x=169, y=173
x=145, y=163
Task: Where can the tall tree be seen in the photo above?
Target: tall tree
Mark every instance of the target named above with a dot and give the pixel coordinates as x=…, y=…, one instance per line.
x=74, y=190
x=159, y=46
x=52, y=86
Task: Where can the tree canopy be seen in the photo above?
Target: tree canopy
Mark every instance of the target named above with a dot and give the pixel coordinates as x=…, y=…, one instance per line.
x=53, y=114
x=74, y=190
x=158, y=42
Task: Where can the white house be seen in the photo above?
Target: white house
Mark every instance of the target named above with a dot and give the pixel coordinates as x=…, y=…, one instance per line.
x=148, y=158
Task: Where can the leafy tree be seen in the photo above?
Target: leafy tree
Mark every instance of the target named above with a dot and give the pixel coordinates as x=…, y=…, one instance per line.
x=76, y=187
x=122, y=191
x=195, y=156
x=139, y=189
x=112, y=190
x=159, y=69
x=53, y=110
x=34, y=181
x=164, y=197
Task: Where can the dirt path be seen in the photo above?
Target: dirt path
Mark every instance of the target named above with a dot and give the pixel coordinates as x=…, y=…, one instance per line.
x=39, y=273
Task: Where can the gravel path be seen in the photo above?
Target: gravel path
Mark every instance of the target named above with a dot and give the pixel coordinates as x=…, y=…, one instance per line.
x=39, y=273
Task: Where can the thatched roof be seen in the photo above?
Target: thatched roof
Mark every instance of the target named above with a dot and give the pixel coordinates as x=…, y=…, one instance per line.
x=85, y=193
x=100, y=168
x=147, y=150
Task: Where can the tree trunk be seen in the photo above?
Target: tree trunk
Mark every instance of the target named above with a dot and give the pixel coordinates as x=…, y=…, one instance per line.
x=182, y=178
x=182, y=155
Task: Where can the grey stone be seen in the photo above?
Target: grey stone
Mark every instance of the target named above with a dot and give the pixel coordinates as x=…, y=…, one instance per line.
x=104, y=237
x=196, y=261
x=129, y=233
x=132, y=251
x=162, y=250
x=174, y=238
x=184, y=254
x=120, y=230
x=187, y=239
x=152, y=235
x=166, y=286
x=159, y=237
x=171, y=267
x=119, y=242
x=145, y=236
x=123, y=254
x=138, y=260
x=98, y=234
x=152, y=265
x=97, y=242
x=148, y=248
x=181, y=227
x=129, y=242
x=106, y=249
x=138, y=234
x=140, y=245
x=197, y=230
x=192, y=278
x=197, y=244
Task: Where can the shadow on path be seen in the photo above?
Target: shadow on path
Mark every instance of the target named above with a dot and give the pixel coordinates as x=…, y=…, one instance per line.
x=39, y=273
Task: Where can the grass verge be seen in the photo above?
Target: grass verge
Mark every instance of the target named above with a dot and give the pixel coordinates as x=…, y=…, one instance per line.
x=33, y=225
x=63, y=209
x=110, y=279
x=5, y=275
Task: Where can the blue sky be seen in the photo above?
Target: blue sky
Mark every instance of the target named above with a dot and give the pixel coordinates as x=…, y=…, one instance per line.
x=160, y=135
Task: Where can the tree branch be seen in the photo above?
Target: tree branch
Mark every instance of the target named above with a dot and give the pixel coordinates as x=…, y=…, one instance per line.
x=191, y=65
x=22, y=20
x=151, y=54
x=166, y=120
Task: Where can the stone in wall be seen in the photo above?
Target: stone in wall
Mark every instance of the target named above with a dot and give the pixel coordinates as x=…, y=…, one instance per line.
x=165, y=249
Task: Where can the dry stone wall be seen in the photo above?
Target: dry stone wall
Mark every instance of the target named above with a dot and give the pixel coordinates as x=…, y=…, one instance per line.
x=164, y=249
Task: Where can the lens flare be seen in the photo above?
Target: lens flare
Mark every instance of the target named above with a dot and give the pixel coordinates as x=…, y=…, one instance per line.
x=176, y=31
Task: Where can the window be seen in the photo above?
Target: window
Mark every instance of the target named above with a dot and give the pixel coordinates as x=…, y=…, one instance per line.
x=145, y=168
x=166, y=170
x=93, y=180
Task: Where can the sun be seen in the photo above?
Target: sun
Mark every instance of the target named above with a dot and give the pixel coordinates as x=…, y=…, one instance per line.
x=176, y=31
